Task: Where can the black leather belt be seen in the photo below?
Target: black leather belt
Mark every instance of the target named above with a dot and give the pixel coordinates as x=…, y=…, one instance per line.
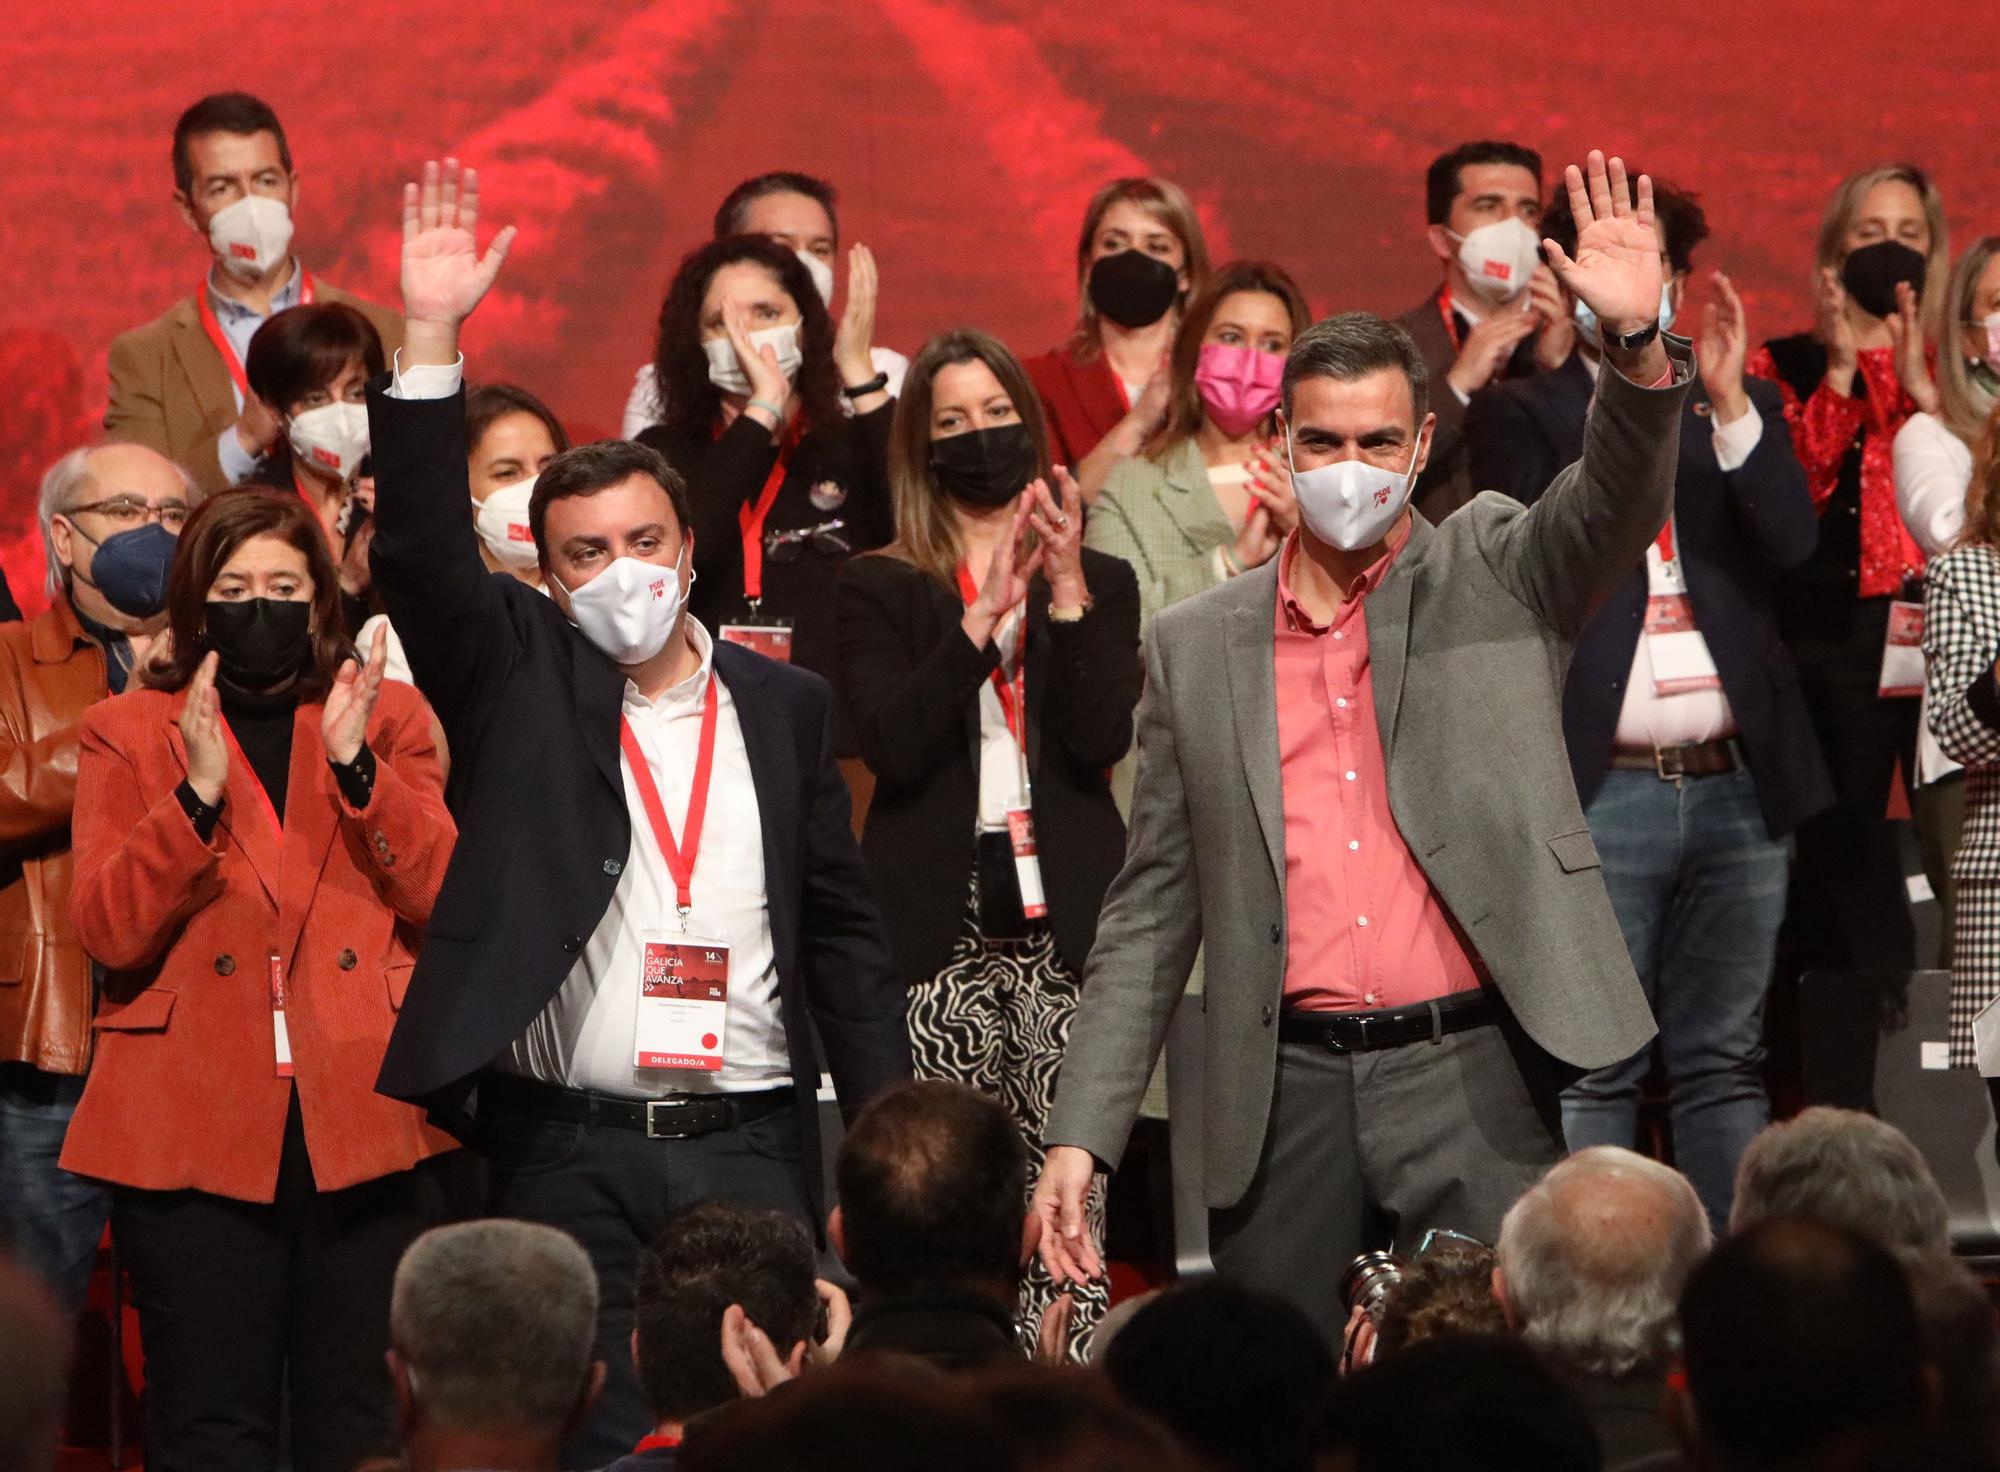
x=1391, y=1027
x=676, y=1117
x=1696, y=759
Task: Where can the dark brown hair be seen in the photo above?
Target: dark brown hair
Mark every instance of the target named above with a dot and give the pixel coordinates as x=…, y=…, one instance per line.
x=736, y=204
x=1184, y=406
x=490, y=403
x=598, y=466
x=305, y=347
x=691, y=403
x=224, y=112
x=1166, y=203
x=213, y=534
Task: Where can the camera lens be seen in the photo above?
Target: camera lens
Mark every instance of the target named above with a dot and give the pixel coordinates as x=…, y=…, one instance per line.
x=1368, y=1280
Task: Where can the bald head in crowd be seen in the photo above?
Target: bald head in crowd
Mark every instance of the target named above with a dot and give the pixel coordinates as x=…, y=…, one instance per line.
x=1593, y=1258
x=34, y=1365
x=491, y=1326
x=1847, y=1168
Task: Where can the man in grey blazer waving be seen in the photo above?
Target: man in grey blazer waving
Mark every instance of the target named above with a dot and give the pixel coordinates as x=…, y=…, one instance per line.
x=1353, y=788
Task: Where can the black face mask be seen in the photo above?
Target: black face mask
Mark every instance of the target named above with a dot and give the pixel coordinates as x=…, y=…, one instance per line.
x=1872, y=273
x=985, y=467
x=1132, y=288
x=259, y=642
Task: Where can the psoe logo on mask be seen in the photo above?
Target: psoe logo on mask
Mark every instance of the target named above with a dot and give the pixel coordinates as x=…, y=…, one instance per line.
x=659, y=587
x=1500, y=270
x=241, y=251
x=520, y=531
x=326, y=457
x=1382, y=497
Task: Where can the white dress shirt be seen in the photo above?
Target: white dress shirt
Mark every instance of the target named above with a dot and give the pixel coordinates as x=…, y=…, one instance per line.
x=1002, y=783
x=585, y=1038
x=1648, y=720
x=1933, y=469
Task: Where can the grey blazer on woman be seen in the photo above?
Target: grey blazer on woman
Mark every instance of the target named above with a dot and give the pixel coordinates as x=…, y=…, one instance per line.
x=1164, y=519
x=1469, y=638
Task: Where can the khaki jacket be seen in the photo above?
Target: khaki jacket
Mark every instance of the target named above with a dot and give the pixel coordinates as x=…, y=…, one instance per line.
x=170, y=388
x=50, y=673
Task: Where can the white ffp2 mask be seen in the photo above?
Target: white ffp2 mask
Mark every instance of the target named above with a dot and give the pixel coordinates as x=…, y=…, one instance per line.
x=1500, y=258
x=332, y=439
x=821, y=273
x=250, y=235
x=726, y=373
x=1350, y=504
x=502, y=522
x=628, y=611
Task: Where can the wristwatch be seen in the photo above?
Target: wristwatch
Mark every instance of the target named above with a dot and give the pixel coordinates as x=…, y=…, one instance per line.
x=1631, y=342
x=861, y=390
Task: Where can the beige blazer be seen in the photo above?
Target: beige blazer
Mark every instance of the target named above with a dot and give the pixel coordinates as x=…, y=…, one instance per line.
x=170, y=388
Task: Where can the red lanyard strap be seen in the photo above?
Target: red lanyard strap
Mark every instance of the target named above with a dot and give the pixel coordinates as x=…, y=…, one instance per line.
x=1013, y=693
x=223, y=345
x=1450, y=318
x=1665, y=541
x=750, y=521
x=680, y=857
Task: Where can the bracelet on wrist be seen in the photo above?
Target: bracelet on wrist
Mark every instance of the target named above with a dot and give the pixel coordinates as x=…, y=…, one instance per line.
x=776, y=411
x=874, y=385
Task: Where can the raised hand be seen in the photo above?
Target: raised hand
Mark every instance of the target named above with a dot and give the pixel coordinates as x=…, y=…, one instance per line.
x=1271, y=483
x=343, y=723
x=1059, y=525
x=1258, y=539
x=760, y=365
x=752, y=1360
x=1906, y=341
x=1154, y=400
x=1558, y=328
x=1007, y=577
x=202, y=734
x=856, y=334
x=839, y=1319
x=1616, y=272
x=444, y=276
x=1835, y=330
x=1721, y=350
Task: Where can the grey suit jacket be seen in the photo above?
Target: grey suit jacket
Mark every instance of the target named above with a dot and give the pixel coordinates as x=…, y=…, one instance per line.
x=1469, y=637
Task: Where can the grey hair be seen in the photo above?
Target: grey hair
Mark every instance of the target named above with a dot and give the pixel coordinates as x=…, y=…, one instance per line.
x=1595, y=1255
x=1846, y=1168
x=495, y=1321
x=1351, y=345
x=64, y=486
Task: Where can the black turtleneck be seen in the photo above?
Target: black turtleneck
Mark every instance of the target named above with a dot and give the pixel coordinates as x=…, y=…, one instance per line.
x=262, y=726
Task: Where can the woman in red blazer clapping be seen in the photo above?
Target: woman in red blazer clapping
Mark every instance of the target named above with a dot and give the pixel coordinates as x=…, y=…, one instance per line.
x=259, y=836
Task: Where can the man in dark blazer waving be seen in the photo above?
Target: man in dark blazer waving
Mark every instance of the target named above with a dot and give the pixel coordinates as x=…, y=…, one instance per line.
x=1352, y=789
x=656, y=895
x=1693, y=750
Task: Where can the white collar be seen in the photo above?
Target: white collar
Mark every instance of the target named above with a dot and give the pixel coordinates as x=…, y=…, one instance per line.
x=678, y=700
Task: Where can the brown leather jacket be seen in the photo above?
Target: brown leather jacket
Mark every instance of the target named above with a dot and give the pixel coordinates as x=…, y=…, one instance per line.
x=50, y=673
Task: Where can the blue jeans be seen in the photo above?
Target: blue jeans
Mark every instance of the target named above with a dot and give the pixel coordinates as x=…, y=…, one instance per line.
x=1699, y=887
x=49, y=1219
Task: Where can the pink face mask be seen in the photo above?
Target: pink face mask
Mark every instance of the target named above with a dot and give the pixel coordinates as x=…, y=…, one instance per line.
x=1239, y=386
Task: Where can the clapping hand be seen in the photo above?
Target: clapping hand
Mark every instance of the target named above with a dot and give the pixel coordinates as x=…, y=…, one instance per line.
x=1059, y=525
x=202, y=734
x=343, y=723
x=444, y=276
x=1007, y=576
x=856, y=334
x=1906, y=340
x=1835, y=330
x=768, y=383
x=1721, y=350
x=1558, y=328
x=1616, y=271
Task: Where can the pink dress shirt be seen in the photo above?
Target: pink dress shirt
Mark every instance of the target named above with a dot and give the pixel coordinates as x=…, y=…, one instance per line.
x=1366, y=930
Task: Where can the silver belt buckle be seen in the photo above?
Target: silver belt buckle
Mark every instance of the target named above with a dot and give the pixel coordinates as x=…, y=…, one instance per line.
x=654, y=1131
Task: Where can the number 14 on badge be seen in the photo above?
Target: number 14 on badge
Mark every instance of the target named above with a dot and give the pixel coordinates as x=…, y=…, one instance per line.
x=683, y=1003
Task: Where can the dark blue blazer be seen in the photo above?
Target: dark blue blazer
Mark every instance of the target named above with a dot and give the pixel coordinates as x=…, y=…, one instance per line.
x=531, y=710
x=1737, y=529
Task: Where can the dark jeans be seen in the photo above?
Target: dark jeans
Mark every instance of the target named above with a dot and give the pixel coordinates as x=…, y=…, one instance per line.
x=1699, y=887
x=239, y=1301
x=612, y=1190
x=49, y=1219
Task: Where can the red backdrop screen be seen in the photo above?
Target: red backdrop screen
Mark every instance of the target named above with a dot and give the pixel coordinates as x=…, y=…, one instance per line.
x=964, y=139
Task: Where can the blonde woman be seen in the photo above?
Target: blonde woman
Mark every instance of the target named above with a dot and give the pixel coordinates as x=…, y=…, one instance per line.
x=1933, y=459
x=1846, y=389
x=1962, y=687
x=990, y=666
x=1105, y=391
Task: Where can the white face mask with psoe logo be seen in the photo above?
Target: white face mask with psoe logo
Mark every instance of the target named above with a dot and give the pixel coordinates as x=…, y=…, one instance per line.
x=1351, y=504
x=250, y=235
x=1499, y=258
x=726, y=373
x=332, y=439
x=628, y=611
x=502, y=522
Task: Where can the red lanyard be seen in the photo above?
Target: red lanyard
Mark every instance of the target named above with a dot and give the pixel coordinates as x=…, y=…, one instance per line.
x=1665, y=541
x=222, y=343
x=680, y=858
x=750, y=520
x=1450, y=318
x=1013, y=694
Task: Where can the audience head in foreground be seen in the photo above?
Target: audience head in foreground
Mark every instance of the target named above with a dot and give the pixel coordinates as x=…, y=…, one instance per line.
x=703, y=1261
x=1234, y=1372
x=491, y=1325
x=1593, y=1258
x=34, y=1358
x=1800, y=1341
x=1846, y=1168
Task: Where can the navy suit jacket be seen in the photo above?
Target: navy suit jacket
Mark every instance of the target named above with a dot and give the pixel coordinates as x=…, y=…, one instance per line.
x=1736, y=530
x=531, y=709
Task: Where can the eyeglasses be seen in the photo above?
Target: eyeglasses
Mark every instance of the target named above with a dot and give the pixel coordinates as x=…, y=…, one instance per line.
x=1446, y=1238
x=825, y=539
x=126, y=512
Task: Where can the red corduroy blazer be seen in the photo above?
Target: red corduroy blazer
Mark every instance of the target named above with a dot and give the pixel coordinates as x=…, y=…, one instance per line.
x=1083, y=402
x=184, y=1091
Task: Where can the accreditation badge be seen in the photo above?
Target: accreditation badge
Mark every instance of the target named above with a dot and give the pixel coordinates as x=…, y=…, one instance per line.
x=683, y=1002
